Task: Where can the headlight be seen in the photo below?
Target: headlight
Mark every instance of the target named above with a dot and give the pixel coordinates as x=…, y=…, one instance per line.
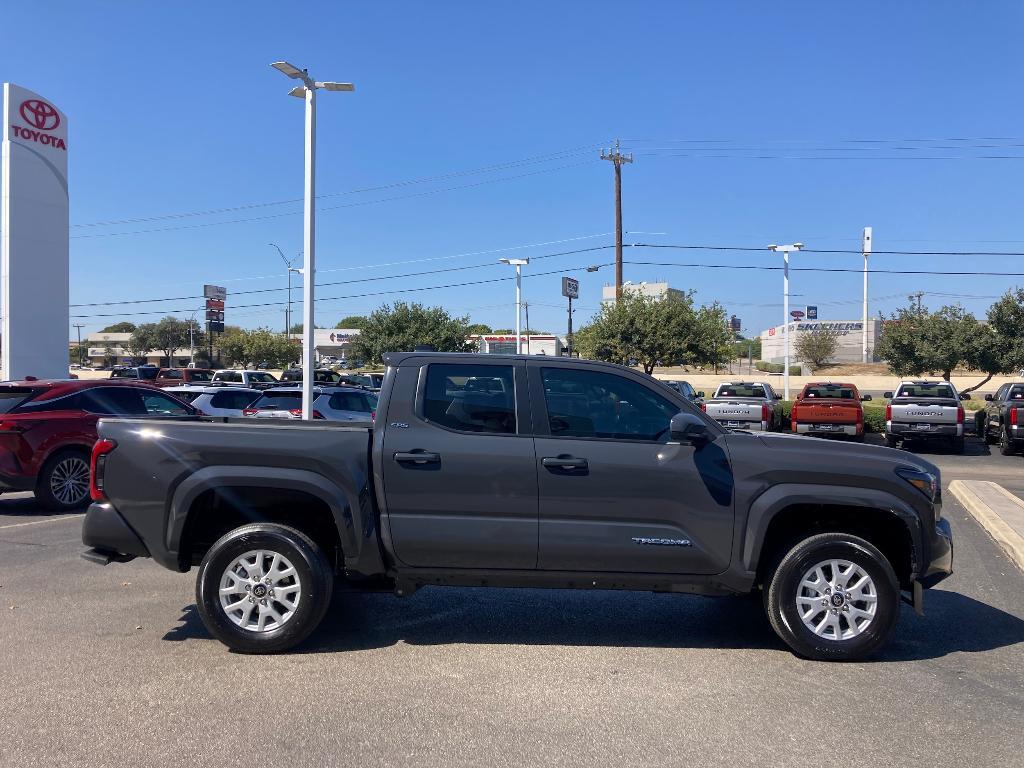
x=925, y=482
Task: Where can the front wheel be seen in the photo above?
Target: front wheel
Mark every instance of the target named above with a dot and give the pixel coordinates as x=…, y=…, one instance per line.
x=833, y=597
x=263, y=588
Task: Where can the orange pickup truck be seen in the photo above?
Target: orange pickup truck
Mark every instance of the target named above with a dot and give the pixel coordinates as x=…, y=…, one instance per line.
x=825, y=409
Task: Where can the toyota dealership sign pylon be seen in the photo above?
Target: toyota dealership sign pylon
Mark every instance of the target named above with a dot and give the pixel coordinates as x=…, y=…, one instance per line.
x=34, y=237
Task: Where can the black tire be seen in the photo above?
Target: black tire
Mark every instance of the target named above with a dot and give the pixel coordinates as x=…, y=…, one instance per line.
x=313, y=573
x=51, y=493
x=890, y=441
x=987, y=436
x=1006, y=447
x=957, y=444
x=783, y=587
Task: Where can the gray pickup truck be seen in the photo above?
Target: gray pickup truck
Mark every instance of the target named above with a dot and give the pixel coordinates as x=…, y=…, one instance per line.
x=518, y=471
x=925, y=410
x=749, y=405
x=1003, y=419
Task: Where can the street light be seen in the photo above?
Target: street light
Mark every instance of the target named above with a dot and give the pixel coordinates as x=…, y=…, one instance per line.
x=308, y=91
x=518, y=264
x=785, y=307
x=288, y=308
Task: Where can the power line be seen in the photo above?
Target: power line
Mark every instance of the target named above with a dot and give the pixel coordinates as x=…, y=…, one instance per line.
x=768, y=268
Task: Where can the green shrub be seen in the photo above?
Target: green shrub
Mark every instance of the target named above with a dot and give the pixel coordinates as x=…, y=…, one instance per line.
x=874, y=418
x=761, y=365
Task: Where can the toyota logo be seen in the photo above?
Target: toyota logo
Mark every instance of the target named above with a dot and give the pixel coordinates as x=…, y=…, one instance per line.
x=39, y=114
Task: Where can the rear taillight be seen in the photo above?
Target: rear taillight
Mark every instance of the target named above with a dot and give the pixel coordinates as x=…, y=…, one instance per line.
x=764, y=413
x=295, y=411
x=250, y=411
x=959, y=414
x=793, y=415
x=888, y=412
x=373, y=415
x=318, y=415
x=1013, y=416
x=199, y=412
x=703, y=407
x=97, y=464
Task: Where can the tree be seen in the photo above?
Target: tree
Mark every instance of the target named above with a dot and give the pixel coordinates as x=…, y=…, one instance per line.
x=404, y=326
x=231, y=344
x=741, y=347
x=123, y=327
x=141, y=341
x=916, y=341
x=1006, y=319
x=651, y=332
x=479, y=329
x=170, y=335
x=817, y=347
x=264, y=345
x=352, y=321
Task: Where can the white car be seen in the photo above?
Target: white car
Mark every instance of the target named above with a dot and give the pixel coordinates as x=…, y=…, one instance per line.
x=254, y=379
x=216, y=401
x=330, y=403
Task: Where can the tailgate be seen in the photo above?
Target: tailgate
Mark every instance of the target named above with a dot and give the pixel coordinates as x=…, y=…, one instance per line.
x=824, y=412
x=732, y=410
x=925, y=413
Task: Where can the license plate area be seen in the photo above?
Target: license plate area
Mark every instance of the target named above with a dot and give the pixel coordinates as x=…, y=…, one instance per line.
x=824, y=427
x=734, y=424
x=923, y=427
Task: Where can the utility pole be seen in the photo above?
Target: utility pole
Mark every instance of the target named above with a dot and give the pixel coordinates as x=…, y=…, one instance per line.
x=918, y=296
x=617, y=159
x=569, y=336
x=80, y=358
x=866, y=248
x=526, y=309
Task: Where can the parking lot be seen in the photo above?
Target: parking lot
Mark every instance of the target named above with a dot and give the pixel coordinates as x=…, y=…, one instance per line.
x=105, y=666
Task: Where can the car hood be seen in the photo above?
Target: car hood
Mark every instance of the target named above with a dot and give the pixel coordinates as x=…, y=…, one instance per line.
x=817, y=452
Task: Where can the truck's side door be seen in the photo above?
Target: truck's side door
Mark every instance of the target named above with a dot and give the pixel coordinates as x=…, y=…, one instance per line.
x=458, y=465
x=615, y=494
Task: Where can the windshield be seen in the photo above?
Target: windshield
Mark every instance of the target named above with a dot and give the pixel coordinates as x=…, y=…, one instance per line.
x=741, y=390
x=829, y=390
x=934, y=389
x=201, y=375
x=279, y=400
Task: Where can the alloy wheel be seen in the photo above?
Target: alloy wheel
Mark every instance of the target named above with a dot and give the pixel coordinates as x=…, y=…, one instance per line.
x=69, y=481
x=836, y=599
x=260, y=590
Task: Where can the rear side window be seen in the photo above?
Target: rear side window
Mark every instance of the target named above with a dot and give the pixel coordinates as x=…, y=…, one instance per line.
x=171, y=373
x=263, y=378
x=471, y=398
x=159, y=404
x=148, y=373
x=11, y=398
x=233, y=400
x=113, y=401
x=199, y=376
x=123, y=373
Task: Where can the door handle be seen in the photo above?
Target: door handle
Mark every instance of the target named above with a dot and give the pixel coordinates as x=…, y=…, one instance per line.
x=417, y=457
x=563, y=462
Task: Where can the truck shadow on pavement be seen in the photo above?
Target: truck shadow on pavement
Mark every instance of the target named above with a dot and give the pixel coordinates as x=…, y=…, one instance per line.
x=439, y=616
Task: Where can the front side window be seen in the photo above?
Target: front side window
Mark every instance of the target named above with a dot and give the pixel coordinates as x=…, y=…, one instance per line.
x=159, y=404
x=471, y=398
x=584, y=403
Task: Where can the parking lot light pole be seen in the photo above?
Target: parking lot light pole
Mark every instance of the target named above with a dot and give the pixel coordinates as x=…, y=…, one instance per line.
x=518, y=264
x=785, y=308
x=308, y=91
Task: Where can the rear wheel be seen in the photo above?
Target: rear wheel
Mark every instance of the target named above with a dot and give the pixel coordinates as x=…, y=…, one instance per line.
x=263, y=588
x=1006, y=447
x=890, y=441
x=834, y=596
x=63, y=483
x=957, y=443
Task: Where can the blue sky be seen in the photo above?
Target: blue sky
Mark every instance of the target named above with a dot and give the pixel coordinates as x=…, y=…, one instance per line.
x=750, y=123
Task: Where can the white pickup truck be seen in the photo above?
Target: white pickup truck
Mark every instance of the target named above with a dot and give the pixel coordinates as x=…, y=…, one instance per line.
x=925, y=410
x=752, y=406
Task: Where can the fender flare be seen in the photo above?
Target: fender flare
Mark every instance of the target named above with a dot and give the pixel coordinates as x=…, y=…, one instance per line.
x=342, y=501
x=769, y=504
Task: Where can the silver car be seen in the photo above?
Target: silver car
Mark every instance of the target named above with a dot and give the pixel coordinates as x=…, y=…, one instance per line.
x=330, y=403
x=215, y=401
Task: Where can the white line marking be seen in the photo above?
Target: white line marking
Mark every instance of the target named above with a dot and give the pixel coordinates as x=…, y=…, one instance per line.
x=41, y=522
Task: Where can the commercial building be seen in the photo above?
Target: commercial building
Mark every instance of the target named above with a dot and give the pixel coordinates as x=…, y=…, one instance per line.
x=505, y=344
x=653, y=290
x=848, y=346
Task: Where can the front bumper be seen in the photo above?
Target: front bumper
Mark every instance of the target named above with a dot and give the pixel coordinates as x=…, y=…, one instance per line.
x=109, y=536
x=941, y=549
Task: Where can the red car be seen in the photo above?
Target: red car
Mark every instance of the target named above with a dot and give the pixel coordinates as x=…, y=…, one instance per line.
x=47, y=430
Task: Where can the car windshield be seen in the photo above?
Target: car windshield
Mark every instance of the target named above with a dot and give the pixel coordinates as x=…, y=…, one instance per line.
x=819, y=391
x=741, y=390
x=935, y=389
x=279, y=400
x=201, y=375
x=148, y=373
x=11, y=398
x=123, y=373
x=1017, y=392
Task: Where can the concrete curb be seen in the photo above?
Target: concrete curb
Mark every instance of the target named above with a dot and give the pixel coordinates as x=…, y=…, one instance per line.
x=985, y=500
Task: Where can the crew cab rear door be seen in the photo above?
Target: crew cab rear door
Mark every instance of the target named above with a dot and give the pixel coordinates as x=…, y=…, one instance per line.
x=615, y=494
x=458, y=464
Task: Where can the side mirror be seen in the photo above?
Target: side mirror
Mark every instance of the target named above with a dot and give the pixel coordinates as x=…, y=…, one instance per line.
x=965, y=396
x=866, y=398
x=887, y=395
x=989, y=398
x=689, y=429
x=701, y=394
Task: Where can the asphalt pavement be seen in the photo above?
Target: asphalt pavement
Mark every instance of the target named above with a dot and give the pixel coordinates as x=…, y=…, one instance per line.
x=112, y=666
